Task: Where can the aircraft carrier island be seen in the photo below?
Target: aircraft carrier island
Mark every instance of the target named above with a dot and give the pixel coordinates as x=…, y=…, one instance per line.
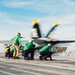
x=61, y=65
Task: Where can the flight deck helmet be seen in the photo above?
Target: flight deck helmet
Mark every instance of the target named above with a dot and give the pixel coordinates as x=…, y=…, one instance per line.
x=18, y=34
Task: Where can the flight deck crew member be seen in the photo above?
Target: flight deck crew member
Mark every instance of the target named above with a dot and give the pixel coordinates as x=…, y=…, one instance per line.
x=11, y=51
x=16, y=45
x=45, y=52
x=29, y=49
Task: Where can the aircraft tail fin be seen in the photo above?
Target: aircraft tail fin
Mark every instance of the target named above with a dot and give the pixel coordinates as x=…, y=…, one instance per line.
x=52, y=29
x=36, y=33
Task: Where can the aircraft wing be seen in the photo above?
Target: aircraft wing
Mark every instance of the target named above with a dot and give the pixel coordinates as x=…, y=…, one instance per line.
x=40, y=42
x=58, y=45
x=61, y=41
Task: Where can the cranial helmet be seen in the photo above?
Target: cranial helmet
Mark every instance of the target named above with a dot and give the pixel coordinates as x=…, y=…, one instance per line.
x=30, y=40
x=8, y=45
x=49, y=44
x=18, y=33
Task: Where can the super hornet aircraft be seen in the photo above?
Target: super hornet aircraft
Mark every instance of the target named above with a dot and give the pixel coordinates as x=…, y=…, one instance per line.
x=40, y=41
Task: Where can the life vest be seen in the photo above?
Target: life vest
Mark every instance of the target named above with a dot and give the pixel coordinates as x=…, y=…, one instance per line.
x=7, y=49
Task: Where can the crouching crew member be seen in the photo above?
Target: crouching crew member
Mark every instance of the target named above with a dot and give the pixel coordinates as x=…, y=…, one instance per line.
x=11, y=51
x=7, y=51
x=29, y=49
x=45, y=52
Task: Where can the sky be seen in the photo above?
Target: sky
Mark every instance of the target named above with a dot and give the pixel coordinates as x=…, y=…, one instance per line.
x=17, y=16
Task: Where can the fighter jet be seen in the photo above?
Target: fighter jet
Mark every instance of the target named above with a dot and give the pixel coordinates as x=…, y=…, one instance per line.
x=42, y=41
